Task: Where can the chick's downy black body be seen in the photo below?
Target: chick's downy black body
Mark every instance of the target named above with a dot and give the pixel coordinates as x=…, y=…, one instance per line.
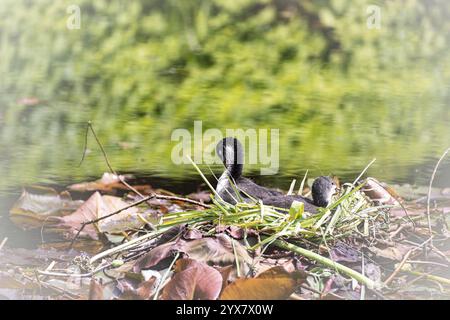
x=322, y=191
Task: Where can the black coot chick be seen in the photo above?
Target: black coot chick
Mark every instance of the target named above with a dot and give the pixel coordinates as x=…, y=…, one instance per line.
x=322, y=190
x=232, y=155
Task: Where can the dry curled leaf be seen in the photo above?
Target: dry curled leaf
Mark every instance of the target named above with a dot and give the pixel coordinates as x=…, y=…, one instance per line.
x=95, y=290
x=225, y=272
x=36, y=207
x=380, y=193
x=217, y=251
x=95, y=207
x=131, y=291
x=154, y=257
x=395, y=253
x=213, y=250
x=273, y=284
x=193, y=280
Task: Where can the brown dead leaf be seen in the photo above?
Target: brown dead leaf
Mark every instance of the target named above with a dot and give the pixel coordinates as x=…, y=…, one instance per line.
x=273, y=284
x=90, y=210
x=225, y=272
x=155, y=256
x=146, y=289
x=143, y=291
x=380, y=193
x=343, y=252
x=191, y=234
x=95, y=290
x=193, y=280
x=393, y=253
x=216, y=251
x=108, y=183
x=96, y=207
x=38, y=205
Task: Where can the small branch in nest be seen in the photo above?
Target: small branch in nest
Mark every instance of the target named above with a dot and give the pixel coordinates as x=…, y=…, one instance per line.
x=3, y=242
x=429, y=276
x=429, y=189
x=329, y=263
x=174, y=198
x=51, y=287
x=399, y=268
x=105, y=156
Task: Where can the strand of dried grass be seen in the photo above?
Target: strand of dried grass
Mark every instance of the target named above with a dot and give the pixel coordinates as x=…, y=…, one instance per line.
x=399, y=268
x=429, y=189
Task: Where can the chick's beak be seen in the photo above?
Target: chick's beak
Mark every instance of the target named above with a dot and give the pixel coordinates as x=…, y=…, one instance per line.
x=337, y=190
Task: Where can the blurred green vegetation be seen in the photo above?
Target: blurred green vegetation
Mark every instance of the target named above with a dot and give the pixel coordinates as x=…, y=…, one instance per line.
x=340, y=92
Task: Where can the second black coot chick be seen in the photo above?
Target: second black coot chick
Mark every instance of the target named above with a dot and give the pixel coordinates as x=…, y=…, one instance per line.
x=322, y=190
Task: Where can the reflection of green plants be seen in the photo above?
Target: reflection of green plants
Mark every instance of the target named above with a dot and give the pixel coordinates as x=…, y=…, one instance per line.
x=340, y=93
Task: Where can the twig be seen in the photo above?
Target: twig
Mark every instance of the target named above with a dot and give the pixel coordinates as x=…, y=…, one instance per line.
x=429, y=189
x=439, y=252
x=161, y=282
x=3, y=242
x=396, y=232
x=85, y=143
x=429, y=262
x=364, y=171
x=52, y=287
x=363, y=287
x=432, y=248
x=108, y=163
x=429, y=276
x=74, y=275
x=101, y=147
x=306, y=287
x=49, y=268
x=126, y=245
x=399, y=268
x=328, y=262
x=67, y=275
x=157, y=196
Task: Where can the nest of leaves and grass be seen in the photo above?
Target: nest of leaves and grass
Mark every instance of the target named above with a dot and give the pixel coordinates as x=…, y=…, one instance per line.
x=351, y=214
x=244, y=251
x=261, y=229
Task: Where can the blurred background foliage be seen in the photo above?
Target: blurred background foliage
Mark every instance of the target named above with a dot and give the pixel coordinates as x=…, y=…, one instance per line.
x=340, y=93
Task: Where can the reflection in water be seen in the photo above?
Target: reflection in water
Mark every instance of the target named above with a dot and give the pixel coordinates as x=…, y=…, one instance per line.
x=339, y=99
x=45, y=149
